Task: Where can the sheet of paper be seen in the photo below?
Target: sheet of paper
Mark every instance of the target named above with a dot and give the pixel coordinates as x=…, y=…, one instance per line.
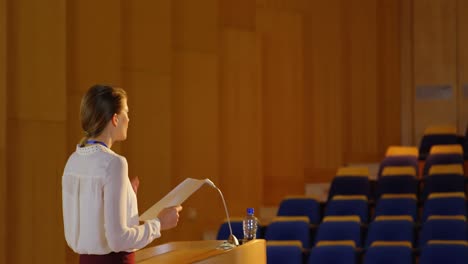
x=175, y=197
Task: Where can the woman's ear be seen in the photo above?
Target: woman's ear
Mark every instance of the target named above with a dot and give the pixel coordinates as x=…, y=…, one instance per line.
x=115, y=120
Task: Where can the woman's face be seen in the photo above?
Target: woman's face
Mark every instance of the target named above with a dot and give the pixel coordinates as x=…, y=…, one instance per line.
x=122, y=123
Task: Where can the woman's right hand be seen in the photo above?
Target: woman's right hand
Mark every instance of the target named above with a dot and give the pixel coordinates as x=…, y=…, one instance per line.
x=169, y=217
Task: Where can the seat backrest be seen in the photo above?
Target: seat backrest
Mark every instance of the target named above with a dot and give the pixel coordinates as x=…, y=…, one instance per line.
x=442, y=159
x=397, y=204
x=444, y=204
x=442, y=252
x=443, y=228
x=289, y=228
x=391, y=228
x=339, y=228
x=436, y=135
x=389, y=252
x=279, y=252
x=343, y=205
x=444, y=178
x=301, y=206
x=337, y=252
x=407, y=160
x=350, y=181
x=397, y=180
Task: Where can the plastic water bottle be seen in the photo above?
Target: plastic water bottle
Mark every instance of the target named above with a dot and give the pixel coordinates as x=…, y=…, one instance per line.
x=249, y=225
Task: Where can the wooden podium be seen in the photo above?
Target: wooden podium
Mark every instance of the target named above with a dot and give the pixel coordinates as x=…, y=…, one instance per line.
x=203, y=252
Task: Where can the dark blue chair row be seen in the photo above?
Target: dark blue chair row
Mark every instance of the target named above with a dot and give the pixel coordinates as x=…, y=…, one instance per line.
x=381, y=252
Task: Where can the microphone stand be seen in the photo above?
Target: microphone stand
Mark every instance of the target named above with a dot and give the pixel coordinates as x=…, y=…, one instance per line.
x=232, y=241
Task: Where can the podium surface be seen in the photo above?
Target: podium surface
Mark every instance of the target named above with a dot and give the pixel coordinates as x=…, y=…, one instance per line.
x=203, y=252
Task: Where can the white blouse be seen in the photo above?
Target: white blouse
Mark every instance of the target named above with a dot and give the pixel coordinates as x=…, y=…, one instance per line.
x=100, y=211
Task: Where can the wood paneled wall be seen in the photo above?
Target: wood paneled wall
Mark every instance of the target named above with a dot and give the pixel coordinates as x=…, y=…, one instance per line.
x=147, y=77
x=352, y=84
x=196, y=109
x=282, y=108
x=406, y=73
x=36, y=129
x=259, y=96
x=241, y=126
x=439, y=40
x=462, y=65
x=94, y=55
x=3, y=130
x=435, y=61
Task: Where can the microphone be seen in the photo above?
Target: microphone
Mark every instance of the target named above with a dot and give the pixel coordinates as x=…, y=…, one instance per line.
x=232, y=240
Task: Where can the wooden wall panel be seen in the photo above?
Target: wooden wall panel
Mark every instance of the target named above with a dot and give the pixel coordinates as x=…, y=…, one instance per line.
x=288, y=6
x=147, y=65
x=195, y=138
x=406, y=72
x=195, y=112
x=36, y=130
x=434, y=61
x=352, y=97
x=282, y=89
x=462, y=49
x=388, y=92
x=323, y=77
x=196, y=24
x=147, y=36
x=32, y=67
x=241, y=121
x=238, y=15
x=360, y=93
x=148, y=147
x=3, y=129
x=94, y=55
x=35, y=223
x=95, y=43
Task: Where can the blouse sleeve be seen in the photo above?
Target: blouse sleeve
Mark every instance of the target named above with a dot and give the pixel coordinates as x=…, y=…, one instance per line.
x=120, y=236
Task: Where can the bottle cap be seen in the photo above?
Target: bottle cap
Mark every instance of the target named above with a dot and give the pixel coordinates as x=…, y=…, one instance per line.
x=250, y=211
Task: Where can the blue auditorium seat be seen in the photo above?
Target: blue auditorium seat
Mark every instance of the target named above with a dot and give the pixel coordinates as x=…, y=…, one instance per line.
x=343, y=205
x=289, y=228
x=443, y=228
x=397, y=180
x=444, y=252
x=384, y=252
x=339, y=228
x=407, y=160
x=444, y=178
x=350, y=181
x=443, y=155
x=301, y=206
x=436, y=135
x=391, y=228
x=333, y=252
x=280, y=252
x=397, y=204
x=444, y=204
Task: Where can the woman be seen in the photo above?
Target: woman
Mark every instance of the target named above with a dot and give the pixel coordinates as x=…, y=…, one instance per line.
x=99, y=202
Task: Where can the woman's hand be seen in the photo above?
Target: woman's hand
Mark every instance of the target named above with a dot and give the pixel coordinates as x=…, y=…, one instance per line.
x=169, y=217
x=135, y=183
